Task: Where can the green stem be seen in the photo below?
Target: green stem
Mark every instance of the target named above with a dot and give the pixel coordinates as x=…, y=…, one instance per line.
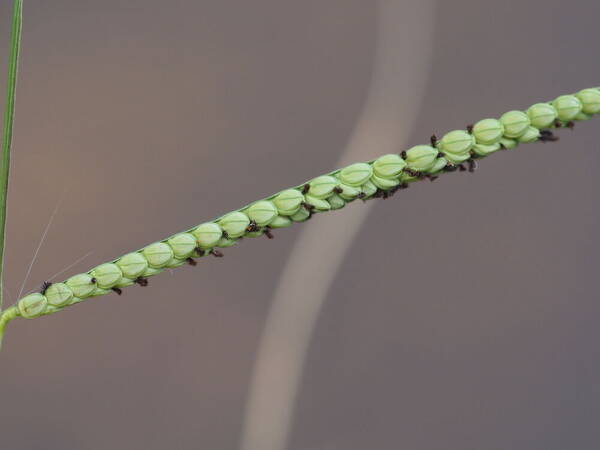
x=5, y=317
x=9, y=117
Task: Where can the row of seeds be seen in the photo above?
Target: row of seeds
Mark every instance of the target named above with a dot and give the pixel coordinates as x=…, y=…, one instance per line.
x=324, y=193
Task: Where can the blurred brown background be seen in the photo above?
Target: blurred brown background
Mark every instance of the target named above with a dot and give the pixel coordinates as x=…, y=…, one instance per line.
x=465, y=316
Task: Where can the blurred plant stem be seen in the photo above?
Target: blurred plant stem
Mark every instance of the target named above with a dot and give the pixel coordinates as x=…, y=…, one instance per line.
x=9, y=117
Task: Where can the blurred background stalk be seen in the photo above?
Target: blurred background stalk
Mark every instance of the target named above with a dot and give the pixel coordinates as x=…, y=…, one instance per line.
x=402, y=59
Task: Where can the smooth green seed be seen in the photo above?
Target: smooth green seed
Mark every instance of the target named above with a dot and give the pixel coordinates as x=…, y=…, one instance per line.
x=590, y=98
x=389, y=166
x=355, y=174
x=508, y=144
x=151, y=271
x=182, y=244
x=262, y=212
x=583, y=116
x=288, y=202
x=421, y=157
x=319, y=204
x=456, y=158
x=384, y=183
x=235, y=224
x=531, y=135
x=301, y=215
x=368, y=189
x=107, y=275
x=207, y=234
x=336, y=202
x=225, y=242
x=59, y=294
x=542, y=115
x=322, y=187
x=567, y=107
x=457, y=142
x=348, y=193
x=439, y=164
x=52, y=309
x=32, y=305
x=132, y=265
x=175, y=262
x=124, y=282
x=281, y=222
x=488, y=131
x=158, y=254
x=484, y=150
x=81, y=285
x=515, y=123
x=100, y=291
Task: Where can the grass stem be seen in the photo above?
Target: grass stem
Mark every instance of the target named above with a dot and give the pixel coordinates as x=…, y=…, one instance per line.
x=9, y=117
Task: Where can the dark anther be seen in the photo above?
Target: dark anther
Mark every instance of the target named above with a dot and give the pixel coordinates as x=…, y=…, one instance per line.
x=117, y=290
x=216, y=253
x=432, y=178
x=268, y=233
x=141, y=281
x=570, y=124
x=378, y=193
x=450, y=168
x=252, y=227
x=93, y=280
x=191, y=261
x=472, y=165
x=470, y=129
x=308, y=206
x=461, y=168
x=404, y=186
x=338, y=190
x=441, y=154
x=200, y=251
x=433, y=139
x=548, y=136
x=412, y=173
x=403, y=154
x=305, y=188
x=558, y=123
x=361, y=195
x=45, y=286
x=225, y=234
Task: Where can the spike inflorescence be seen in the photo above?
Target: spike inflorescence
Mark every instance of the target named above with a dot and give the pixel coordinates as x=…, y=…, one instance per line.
x=379, y=178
